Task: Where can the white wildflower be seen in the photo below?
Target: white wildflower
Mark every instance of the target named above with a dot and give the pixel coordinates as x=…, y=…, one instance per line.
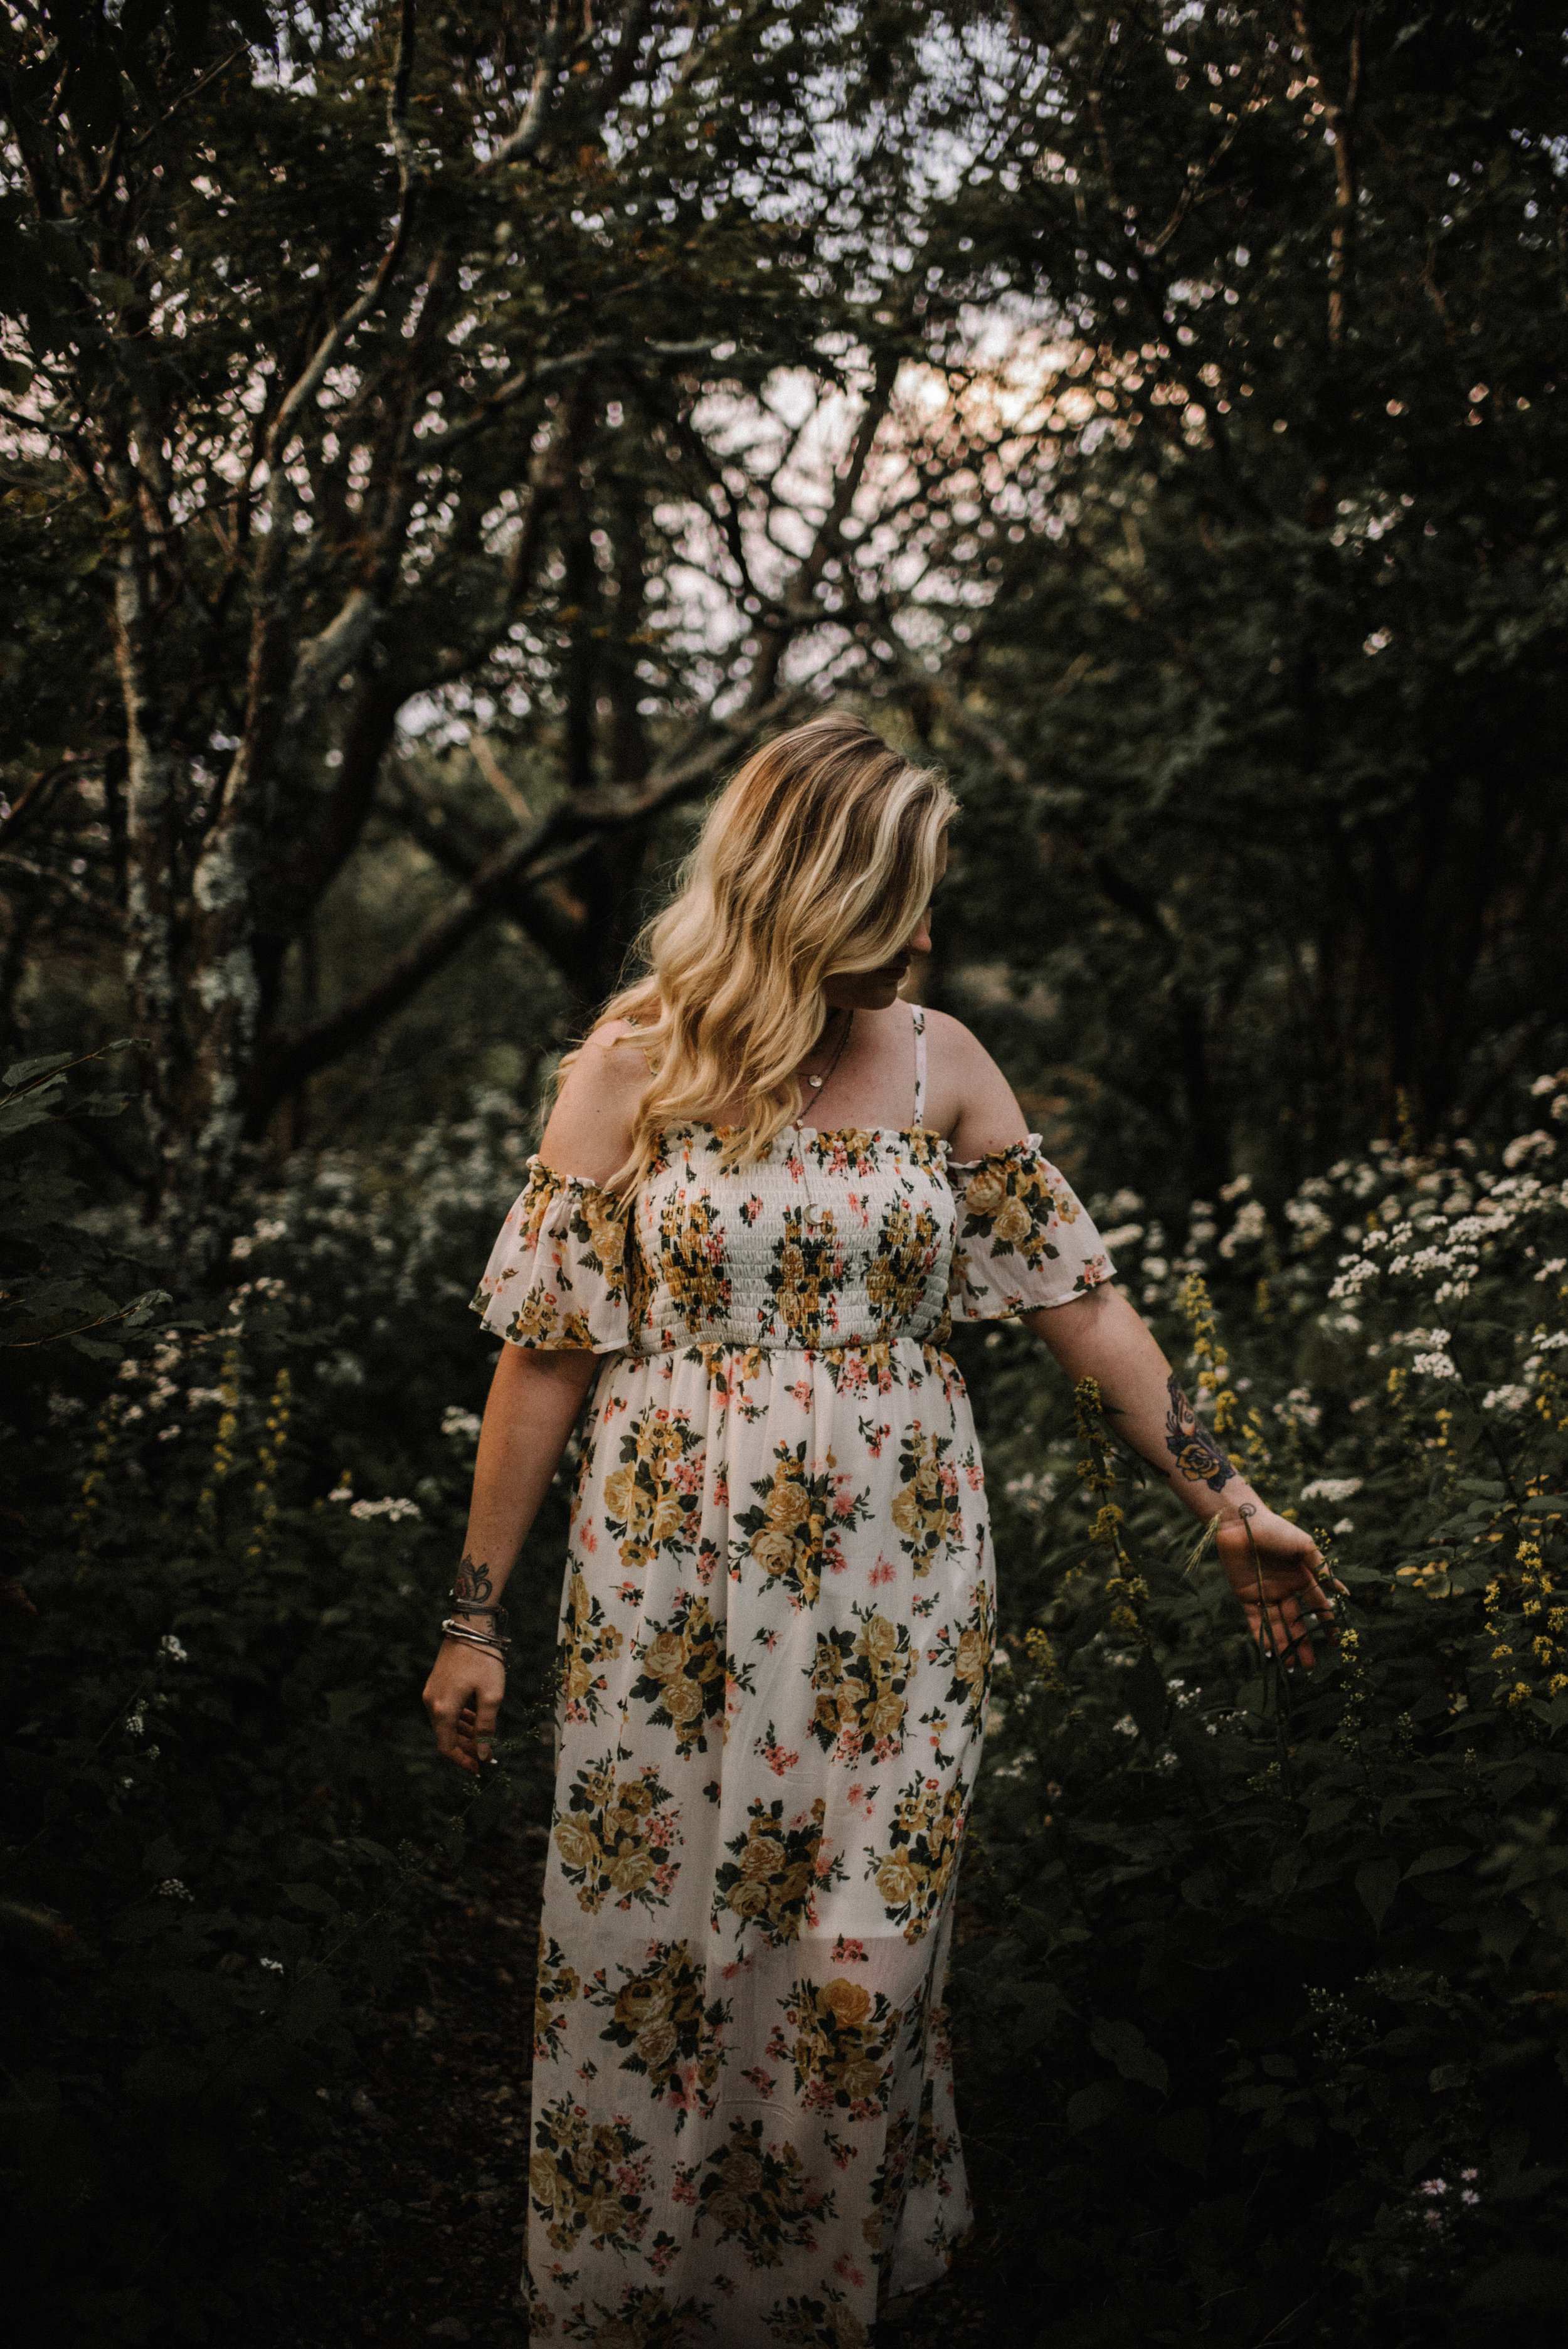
x=1343, y=1526
x=457, y=1422
x=1331, y=1488
x=174, y=1649
x=1539, y=1145
x=393, y=1511
x=1508, y=1398
x=136, y=1723
x=1553, y=1264
x=1125, y=1726
x=173, y=1889
x=1251, y=1223
x=273, y=1965
x=1434, y=1366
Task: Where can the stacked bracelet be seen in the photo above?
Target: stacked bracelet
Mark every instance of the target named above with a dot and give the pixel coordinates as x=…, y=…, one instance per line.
x=455, y=1628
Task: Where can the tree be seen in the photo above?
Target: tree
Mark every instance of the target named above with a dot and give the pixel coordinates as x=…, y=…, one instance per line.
x=373, y=390
x=1257, y=681
x=486, y=431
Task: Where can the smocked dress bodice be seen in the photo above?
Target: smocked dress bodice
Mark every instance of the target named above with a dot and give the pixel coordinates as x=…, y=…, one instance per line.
x=851, y=1236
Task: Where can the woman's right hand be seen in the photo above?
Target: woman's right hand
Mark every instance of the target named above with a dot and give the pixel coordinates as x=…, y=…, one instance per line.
x=462, y=1697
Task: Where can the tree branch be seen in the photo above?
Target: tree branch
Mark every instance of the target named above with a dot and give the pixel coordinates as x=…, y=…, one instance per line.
x=307, y=384
x=559, y=37
x=575, y=820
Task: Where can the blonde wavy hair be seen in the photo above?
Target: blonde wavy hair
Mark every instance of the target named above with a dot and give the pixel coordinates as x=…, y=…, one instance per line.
x=818, y=858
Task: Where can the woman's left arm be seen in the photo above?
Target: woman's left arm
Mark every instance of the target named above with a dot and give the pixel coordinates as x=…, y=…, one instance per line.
x=1100, y=1336
x=1274, y=1573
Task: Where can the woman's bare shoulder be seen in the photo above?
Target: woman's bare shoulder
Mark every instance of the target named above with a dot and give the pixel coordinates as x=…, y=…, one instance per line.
x=970, y=1100
x=589, y=1128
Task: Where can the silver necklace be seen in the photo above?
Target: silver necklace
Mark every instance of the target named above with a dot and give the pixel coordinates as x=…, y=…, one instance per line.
x=817, y=1083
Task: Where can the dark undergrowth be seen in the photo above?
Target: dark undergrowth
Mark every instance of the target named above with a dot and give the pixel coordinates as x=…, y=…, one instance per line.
x=1261, y=1988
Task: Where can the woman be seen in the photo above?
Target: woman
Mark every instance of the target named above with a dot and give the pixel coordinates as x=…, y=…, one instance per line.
x=767, y=1185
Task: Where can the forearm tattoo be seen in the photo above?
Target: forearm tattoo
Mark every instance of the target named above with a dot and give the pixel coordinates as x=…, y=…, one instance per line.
x=1197, y=1455
x=473, y=1582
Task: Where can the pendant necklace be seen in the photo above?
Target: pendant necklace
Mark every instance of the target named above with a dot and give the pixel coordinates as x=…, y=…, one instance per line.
x=817, y=1083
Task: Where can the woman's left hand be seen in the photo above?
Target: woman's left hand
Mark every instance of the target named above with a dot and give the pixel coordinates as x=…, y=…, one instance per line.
x=1274, y=1568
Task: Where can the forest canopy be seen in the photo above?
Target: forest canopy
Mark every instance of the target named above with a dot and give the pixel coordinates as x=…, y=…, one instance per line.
x=437, y=446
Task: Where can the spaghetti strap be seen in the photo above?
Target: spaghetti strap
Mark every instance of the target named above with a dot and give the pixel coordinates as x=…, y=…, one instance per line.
x=917, y=1011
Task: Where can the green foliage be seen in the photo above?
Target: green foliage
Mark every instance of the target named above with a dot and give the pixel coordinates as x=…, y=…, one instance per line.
x=231, y=1547
x=60, y=1282
x=1263, y=747
x=1249, y=1960
x=1264, y=1981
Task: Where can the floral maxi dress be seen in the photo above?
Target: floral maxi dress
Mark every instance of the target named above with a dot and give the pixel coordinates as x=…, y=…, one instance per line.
x=777, y=1634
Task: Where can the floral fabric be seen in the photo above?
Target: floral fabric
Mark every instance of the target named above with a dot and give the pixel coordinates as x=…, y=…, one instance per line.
x=777, y=1631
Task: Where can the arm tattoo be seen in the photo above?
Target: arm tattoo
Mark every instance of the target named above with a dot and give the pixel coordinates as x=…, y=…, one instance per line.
x=473, y=1581
x=1197, y=1455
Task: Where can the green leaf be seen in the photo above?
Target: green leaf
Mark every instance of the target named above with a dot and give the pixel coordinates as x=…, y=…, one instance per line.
x=1441, y=1855
x=1377, y=1881
x=1101, y=2101
x=1123, y=2044
x=109, y=286
x=1184, y=2138
x=34, y=1109
x=311, y=1896
x=21, y=1072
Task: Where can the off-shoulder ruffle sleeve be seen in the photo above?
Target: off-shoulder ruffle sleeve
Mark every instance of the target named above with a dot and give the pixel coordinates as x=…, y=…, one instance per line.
x=558, y=1274
x=1023, y=1241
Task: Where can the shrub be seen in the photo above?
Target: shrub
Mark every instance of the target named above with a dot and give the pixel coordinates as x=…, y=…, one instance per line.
x=1264, y=1982
x=234, y=1540
x=1261, y=1978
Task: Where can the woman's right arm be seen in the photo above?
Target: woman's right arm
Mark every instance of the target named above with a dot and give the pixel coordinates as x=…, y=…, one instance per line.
x=534, y=1398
